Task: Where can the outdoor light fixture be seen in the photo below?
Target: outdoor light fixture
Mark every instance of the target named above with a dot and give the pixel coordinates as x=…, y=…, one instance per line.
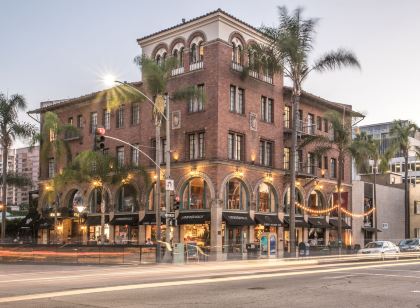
x=238, y=172
x=269, y=177
x=253, y=158
x=176, y=156
x=193, y=171
x=96, y=183
x=80, y=208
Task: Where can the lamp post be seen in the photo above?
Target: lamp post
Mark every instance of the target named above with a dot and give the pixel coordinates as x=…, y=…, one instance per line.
x=158, y=113
x=80, y=209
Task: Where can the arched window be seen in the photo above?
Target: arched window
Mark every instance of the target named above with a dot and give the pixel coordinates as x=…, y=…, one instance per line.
x=75, y=200
x=236, y=195
x=316, y=201
x=152, y=195
x=158, y=60
x=127, y=199
x=195, y=194
x=95, y=201
x=266, y=198
x=181, y=57
x=233, y=53
x=200, y=51
x=193, y=53
x=298, y=198
x=163, y=57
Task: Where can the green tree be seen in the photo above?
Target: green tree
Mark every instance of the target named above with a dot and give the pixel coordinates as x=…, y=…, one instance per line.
x=10, y=129
x=288, y=51
x=99, y=170
x=401, y=132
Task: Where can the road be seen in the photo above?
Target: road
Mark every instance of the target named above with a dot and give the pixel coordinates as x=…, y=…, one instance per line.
x=265, y=283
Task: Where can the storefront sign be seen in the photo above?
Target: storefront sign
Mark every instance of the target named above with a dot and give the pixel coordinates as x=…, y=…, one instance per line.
x=169, y=184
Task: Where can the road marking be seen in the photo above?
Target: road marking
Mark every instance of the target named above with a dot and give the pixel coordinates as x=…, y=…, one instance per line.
x=183, y=282
x=338, y=277
x=388, y=275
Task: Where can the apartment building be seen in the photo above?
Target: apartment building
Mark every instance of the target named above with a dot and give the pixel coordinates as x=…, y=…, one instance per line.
x=230, y=152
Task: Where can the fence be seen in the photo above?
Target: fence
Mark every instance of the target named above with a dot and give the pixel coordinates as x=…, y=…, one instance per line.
x=74, y=254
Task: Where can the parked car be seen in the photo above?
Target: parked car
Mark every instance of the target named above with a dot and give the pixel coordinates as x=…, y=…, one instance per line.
x=380, y=249
x=409, y=245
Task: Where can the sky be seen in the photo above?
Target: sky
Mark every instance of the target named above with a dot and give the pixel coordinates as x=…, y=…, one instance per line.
x=60, y=49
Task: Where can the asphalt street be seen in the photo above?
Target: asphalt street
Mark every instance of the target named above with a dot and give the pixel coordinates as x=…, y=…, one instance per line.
x=259, y=283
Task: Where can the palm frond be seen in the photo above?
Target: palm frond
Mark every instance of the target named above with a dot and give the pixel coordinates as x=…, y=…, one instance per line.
x=16, y=180
x=336, y=60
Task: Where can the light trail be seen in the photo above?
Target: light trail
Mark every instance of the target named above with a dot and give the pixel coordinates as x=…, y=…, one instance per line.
x=192, y=282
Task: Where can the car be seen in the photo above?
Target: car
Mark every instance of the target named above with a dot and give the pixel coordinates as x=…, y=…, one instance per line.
x=409, y=245
x=380, y=249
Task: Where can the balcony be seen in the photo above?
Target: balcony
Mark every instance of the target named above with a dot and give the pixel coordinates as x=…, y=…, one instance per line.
x=177, y=71
x=267, y=79
x=304, y=128
x=72, y=135
x=196, y=66
x=237, y=67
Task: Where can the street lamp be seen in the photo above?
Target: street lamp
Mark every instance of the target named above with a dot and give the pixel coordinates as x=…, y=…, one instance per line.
x=158, y=113
x=80, y=209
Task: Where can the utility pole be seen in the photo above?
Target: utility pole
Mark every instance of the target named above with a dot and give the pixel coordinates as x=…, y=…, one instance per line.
x=167, y=177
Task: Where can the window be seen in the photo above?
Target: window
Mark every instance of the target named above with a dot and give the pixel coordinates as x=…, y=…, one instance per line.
x=135, y=155
x=79, y=121
x=195, y=194
x=266, y=153
x=236, y=197
x=197, y=103
x=51, y=167
x=127, y=199
x=70, y=121
x=236, y=53
x=237, y=100
x=196, y=145
x=318, y=123
x=120, y=116
x=326, y=162
x=286, y=158
x=417, y=207
x=266, y=109
x=235, y=146
x=311, y=163
x=311, y=124
x=93, y=122
x=135, y=113
x=120, y=156
x=326, y=125
x=196, y=53
x=286, y=116
x=53, y=135
x=266, y=199
x=106, y=119
x=333, y=168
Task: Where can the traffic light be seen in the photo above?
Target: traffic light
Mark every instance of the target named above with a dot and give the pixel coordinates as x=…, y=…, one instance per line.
x=99, y=139
x=176, y=203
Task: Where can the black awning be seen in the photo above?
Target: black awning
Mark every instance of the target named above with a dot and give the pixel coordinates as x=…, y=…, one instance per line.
x=370, y=229
x=96, y=220
x=299, y=222
x=334, y=223
x=268, y=220
x=237, y=219
x=192, y=218
x=150, y=219
x=318, y=222
x=121, y=220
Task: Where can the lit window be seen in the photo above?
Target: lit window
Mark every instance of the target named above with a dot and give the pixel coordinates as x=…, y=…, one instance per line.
x=287, y=116
x=236, y=196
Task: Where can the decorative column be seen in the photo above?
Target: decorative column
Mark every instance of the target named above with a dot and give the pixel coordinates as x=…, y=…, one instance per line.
x=216, y=251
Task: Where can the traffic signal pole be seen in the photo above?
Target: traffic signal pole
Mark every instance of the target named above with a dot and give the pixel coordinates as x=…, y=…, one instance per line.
x=167, y=257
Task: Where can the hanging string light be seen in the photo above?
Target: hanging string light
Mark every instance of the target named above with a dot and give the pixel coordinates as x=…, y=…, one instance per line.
x=345, y=211
x=325, y=211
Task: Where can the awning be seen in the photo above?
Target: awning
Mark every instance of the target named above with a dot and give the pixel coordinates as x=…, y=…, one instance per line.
x=96, y=220
x=121, y=220
x=334, y=224
x=192, y=218
x=299, y=222
x=45, y=223
x=150, y=219
x=370, y=229
x=268, y=220
x=237, y=219
x=318, y=222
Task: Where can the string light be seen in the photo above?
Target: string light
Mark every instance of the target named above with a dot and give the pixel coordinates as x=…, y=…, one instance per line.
x=325, y=211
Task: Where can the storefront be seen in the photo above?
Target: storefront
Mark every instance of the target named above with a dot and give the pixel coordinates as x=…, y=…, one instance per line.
x=93, y=223
x=149, y=222
x=317, y=231
x=265, y=223
x=195, y=228
x=235, y=233
x=126, y=229
x=333, y=234
x=300, y=225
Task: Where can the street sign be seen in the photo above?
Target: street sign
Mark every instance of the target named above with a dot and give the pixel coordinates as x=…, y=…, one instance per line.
x=169, y=184
x=170, y=215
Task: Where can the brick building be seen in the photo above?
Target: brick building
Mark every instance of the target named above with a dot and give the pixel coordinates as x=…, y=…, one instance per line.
x=229, y=152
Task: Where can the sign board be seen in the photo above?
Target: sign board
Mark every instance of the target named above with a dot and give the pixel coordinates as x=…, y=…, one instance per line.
x=169, y=184
x=385, y=225
x=170, y=215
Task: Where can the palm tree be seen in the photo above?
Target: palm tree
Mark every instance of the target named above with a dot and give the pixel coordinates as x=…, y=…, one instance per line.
x=364, y=149
x=342, y=145
x=288, y=51
x=156, y=76
x=100, y=170
x=401, y=132
x=10, y=129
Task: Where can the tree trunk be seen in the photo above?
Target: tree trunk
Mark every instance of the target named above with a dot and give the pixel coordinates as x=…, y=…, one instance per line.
x=406, y=197
x=157, y=192
x=375, y=213
x=292, y=228
x=4, y=191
